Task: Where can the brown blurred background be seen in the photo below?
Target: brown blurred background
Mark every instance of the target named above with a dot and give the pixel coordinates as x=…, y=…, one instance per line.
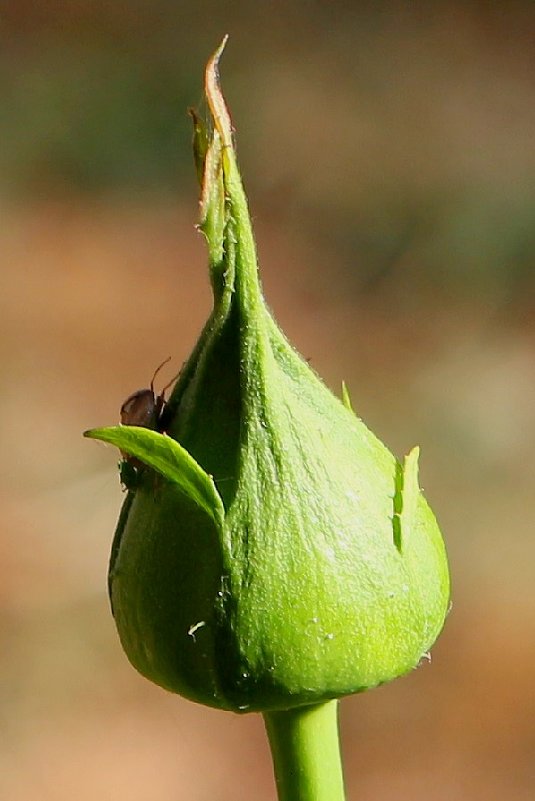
x=388, y=153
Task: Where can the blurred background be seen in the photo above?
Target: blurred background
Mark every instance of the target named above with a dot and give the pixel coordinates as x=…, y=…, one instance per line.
x=387, y=149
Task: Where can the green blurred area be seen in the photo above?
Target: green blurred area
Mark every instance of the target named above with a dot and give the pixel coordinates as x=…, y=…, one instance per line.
x=387, y=150
x=399, y=135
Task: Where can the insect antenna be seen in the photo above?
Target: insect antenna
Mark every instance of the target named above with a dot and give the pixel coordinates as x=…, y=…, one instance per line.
x=169, y=384
x=157, y=371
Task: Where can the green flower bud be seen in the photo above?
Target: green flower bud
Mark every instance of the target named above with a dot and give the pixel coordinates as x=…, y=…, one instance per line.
x=273, y=552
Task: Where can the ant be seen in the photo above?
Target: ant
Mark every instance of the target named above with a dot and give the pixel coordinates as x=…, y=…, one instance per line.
x=144, y=408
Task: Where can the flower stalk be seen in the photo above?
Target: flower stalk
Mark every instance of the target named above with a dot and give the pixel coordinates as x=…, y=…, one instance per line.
x=306, y=753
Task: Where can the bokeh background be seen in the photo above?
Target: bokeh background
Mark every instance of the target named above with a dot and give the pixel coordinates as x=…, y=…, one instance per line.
x=388, y=153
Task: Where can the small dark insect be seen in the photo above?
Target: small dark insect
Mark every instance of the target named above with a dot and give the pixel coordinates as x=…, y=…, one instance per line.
x=144, y=408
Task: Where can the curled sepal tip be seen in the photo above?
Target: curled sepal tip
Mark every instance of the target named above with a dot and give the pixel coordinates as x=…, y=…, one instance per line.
x=169, y=459
x=215, y=98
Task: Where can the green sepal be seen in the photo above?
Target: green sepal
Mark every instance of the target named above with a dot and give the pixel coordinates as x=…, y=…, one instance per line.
x=346, y=399
x=168, y=458
x=411, y=492
x=200, y=143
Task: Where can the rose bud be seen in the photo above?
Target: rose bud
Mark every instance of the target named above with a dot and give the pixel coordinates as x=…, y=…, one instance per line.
x=272, y=553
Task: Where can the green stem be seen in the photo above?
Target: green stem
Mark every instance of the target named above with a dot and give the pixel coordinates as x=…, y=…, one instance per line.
x=306, y=753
